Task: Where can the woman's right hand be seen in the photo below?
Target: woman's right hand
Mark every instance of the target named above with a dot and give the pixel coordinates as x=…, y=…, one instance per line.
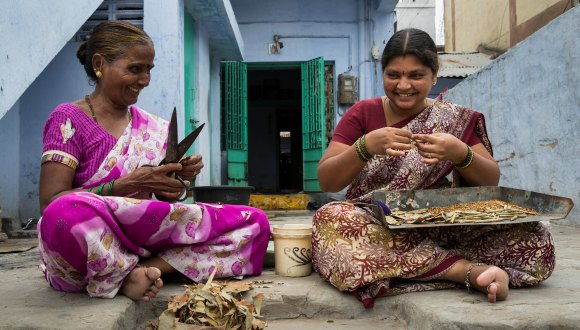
x=388, y=141
x=152, y=179
x=340, y=165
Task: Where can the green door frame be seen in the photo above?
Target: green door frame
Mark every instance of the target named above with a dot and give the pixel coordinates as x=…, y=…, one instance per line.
x=313, y=117
x=189, y=75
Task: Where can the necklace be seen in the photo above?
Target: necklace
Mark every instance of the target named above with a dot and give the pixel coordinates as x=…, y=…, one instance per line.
x=88, y=100
x=91, y=108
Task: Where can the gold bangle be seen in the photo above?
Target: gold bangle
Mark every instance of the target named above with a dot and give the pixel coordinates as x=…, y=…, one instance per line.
x=467, y=281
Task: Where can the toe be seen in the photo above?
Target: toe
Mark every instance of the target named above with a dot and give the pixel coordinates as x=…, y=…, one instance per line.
x=153, y=273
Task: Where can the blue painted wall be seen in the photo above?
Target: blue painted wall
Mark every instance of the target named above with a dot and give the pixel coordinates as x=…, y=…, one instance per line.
x=10, y=164
x=530, y=97
x=32, y=34
x=343, y=31
x=63, y=80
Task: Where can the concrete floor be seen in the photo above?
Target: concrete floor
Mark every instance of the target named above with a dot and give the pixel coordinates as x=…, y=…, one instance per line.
x=27, y=302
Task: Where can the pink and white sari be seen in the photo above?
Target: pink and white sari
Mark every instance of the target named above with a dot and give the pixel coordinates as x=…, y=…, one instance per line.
x=92, y=242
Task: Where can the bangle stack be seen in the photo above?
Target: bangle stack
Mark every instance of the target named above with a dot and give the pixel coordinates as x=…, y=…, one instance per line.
x=111, y=183
x=101, y=187
x=468, y=159
x=361, y=149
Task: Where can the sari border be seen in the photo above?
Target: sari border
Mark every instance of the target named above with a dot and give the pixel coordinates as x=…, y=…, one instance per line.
x=120, y=146
x=439, y=270
x=61, y=157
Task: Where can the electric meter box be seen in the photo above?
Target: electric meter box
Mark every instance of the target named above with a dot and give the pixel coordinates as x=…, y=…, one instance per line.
x=347, y=89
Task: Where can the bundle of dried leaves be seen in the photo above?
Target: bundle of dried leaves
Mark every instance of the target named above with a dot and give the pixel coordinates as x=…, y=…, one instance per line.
x=473, y=212
x=213, y=305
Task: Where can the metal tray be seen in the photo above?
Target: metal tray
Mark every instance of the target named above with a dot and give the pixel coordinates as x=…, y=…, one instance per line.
x=549, y=207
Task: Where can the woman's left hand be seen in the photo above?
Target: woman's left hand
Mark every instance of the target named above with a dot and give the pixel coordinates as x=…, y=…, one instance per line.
x=192, y=166
x=438, y=147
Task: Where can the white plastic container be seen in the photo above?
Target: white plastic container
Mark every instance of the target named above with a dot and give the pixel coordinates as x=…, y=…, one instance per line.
x=292, y=249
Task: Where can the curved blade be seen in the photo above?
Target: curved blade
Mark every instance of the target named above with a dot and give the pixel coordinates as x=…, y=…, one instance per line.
x=172, y=154
x=188, y=141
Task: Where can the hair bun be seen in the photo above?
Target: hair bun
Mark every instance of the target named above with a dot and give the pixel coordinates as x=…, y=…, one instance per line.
x=82, y=53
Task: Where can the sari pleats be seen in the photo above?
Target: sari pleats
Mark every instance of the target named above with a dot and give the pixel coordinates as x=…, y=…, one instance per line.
x=93, y=242
x=356, y=254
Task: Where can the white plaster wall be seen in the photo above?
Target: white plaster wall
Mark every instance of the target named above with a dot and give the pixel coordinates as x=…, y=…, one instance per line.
x=202, y=104
x=418, y=14
x=215, y=165
x=32, y=34
x=531, y=101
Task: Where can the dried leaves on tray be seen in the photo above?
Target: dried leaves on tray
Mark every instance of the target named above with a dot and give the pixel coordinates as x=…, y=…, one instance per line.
x=213, y=305
x=473, y=212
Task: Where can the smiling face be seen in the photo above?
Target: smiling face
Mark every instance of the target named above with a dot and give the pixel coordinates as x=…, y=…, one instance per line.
x=407, y=83
x=125, y=77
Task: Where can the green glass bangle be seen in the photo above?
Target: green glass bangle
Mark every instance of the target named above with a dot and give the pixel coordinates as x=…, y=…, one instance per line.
x=100, y=189
x=468, y=159
x=90, y=189
x=363, y=146
x=359, y=152
x=110, y=193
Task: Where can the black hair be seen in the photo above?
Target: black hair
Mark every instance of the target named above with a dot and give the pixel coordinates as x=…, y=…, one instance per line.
x=110, y=39
x=414, y=42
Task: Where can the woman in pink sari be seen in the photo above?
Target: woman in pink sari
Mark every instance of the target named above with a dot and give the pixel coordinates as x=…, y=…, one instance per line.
x=108, y=222
x=407, y=141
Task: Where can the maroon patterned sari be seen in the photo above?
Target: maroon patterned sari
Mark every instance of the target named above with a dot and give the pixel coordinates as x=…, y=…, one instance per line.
x=355, y=253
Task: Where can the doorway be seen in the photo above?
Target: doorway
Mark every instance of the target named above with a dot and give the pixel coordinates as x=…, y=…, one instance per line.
x=275, y=129
x=277, y=119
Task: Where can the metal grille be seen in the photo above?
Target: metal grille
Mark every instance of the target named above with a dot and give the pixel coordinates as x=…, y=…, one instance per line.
x=313, y=122
x=313, y=103
x=125, y=10
x=236, y=105
x=236, y=111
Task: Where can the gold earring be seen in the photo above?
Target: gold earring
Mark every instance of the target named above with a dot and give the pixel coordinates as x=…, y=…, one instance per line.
x=98, y=73
x=435, y=82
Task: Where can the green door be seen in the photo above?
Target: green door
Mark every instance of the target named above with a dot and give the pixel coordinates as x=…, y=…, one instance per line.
x=313, y=122
x=236, y=113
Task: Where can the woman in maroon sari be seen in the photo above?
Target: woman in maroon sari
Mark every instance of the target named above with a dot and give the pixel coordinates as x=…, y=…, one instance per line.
x=407, y=141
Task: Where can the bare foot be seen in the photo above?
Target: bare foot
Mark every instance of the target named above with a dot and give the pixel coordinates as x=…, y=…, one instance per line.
x=142, y=283
x=491, y=280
